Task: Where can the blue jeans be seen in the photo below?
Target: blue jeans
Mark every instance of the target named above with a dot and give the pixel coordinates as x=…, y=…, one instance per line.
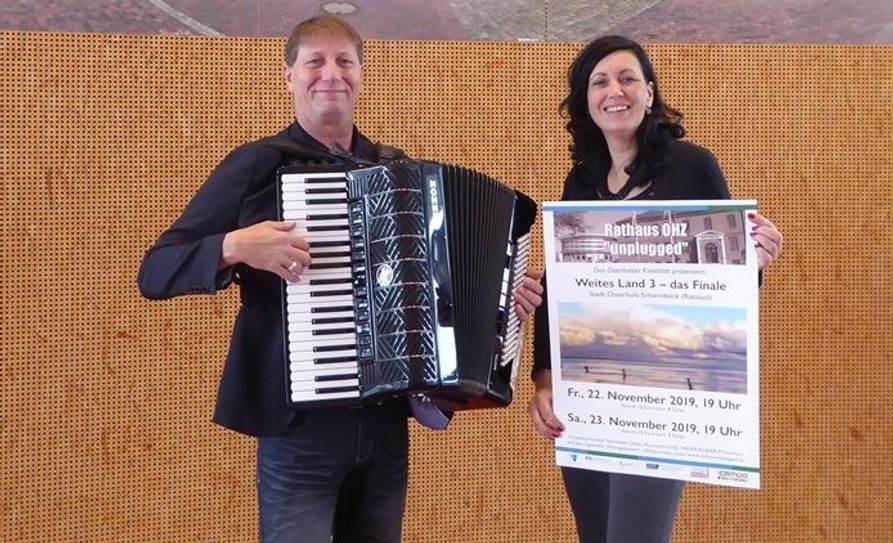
x=618, y=508
x=339, y=475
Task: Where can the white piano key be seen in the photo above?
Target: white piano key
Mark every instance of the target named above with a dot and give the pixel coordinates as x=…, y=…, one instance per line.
x=317, y=183
x=319, y=202
x=325, y=222
x=337, y=246
x=293, y=307
x=302, y=302
x=305, y=286
x=347, y=338
x=301, y=294
x=306, y=373
x=337, y=342
x=303, y=396
x=336, y=359
x=308, y=357
x=333, y=235
x=329, y=233
x=297, y=346
x=322, y=273
x=331, y=245
x=313, y=175
x=305, y=283
x=326, y=267
x=324, y=259
x=310, y=366
x=324, y=317
x=300, y=209
x=316, y=327
x=341, y=275
x=316, y=186
x=293, y=183
x=343, y=271
x=325, y=197
x=350, y=373
x=305, y=298
x=307, y=318
x=310, y=386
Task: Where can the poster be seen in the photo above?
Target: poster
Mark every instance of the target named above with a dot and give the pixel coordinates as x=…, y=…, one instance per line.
x=653, y=323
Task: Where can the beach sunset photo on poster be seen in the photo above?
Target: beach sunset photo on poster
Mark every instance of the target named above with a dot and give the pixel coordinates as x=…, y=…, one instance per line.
x=664, y=346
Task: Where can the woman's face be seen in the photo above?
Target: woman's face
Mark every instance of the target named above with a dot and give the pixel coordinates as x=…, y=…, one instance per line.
x=618, y=94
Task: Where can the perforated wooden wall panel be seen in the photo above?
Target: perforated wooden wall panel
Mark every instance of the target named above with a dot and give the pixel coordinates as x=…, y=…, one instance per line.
x=105, y=398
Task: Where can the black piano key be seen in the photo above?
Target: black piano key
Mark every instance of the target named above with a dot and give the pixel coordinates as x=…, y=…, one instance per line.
x=324, y=180
x=324, y=293
x=334, y=390
x=334, y=360
x=328, y=228
x=335, y=281
x=320, y=244
x=333, y=331
x=326, y=217
x=331, y=320
x=329, y=265
x=325, y=190
x=330, y=348
x=326, y=201
x=340, y=377
x=330, y=254
x=332, y=309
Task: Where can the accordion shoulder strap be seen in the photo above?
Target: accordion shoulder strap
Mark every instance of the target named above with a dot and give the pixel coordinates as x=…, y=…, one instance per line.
x=293, y=151
x=387, y=153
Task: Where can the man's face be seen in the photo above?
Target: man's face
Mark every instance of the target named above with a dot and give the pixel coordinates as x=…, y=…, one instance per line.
x=325, y=81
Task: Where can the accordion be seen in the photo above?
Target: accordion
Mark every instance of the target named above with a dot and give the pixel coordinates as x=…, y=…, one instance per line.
x=410, y=290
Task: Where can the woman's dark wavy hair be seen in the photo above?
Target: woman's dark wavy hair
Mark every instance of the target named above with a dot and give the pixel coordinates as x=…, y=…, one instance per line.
x=653, y=135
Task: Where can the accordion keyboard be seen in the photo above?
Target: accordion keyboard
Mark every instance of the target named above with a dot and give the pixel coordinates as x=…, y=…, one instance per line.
x=320, y=308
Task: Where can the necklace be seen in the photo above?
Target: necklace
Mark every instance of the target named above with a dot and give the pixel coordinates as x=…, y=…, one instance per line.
x=605, y=193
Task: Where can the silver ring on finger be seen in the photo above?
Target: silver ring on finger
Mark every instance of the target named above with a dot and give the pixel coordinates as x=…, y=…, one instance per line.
x=293, y=267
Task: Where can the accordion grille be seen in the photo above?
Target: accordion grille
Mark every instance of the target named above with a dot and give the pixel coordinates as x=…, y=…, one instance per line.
x=405, y=343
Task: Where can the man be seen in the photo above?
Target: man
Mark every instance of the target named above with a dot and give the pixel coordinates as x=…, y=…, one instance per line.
x=334, y=474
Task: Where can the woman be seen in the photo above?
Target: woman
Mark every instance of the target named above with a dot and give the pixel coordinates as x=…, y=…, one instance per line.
x=626, y=145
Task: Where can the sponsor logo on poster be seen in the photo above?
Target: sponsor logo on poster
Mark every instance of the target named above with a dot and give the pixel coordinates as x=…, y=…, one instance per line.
x=737, y=476
x=700, y=473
